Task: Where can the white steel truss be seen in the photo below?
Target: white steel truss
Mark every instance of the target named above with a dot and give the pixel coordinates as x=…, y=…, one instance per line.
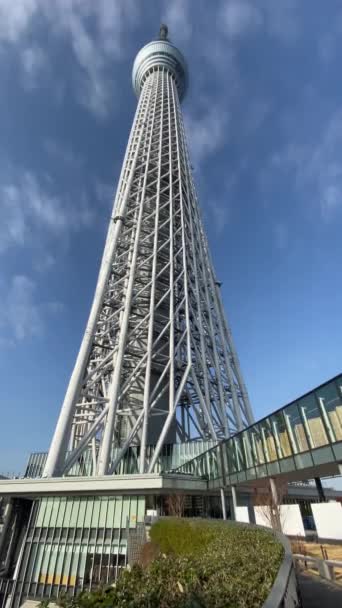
x=157, y=362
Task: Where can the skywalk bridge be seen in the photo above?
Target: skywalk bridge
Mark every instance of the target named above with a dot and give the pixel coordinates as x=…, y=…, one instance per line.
x=300, y=441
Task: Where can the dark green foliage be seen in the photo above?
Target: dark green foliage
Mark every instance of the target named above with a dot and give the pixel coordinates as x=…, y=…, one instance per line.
x=202, y=565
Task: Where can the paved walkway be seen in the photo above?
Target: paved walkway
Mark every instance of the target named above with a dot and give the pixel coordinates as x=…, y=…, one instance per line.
x=319, y=593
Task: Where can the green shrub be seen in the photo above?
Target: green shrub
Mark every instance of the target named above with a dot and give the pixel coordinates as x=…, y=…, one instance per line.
x=202, y=564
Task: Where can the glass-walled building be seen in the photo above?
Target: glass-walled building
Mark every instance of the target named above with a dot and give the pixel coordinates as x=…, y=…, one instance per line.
x=74, y=543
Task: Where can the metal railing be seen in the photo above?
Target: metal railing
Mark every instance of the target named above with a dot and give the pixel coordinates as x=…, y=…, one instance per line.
x=325, y=567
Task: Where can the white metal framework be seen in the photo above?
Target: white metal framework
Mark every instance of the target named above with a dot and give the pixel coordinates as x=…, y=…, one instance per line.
x=157, y=362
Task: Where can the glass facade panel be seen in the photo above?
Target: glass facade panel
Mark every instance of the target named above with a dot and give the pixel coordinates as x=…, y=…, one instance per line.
x=54, y=513
x=82, y=510
x=50, y=565
x=256, y=442
x=73, y=568
x=74, y=513
x=329, y=399
x=213, y=468
x=125, y=511
x=248, y=449
x=268, y=440
x=67, y=565
x=41, y=510
x=58, y=578
x=204, y=464
x=241, y=464
x=96, y=513
x=47, y=512
x=280, y=435
x=45, y=564
x=61, y=512
x=141, y=508
x=312, y=421
x=117, y=512
x=88, y=513
x=231, y=456
x=295, y=428
x=34, y=563
x=103, y=512
x=110, y=513
x=67, y=513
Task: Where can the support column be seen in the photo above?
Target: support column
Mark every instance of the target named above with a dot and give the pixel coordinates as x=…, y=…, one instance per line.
x=274, y=492
x=7, y=520
x=234, y=502
x=274, y=506
x=320, y=490
x=223, y=503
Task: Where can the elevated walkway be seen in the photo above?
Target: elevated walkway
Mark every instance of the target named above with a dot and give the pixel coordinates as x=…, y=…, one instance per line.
x=299, y=441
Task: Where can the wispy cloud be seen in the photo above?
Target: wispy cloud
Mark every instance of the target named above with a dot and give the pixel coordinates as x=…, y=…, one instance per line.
x=238, y=17
x=219, y=211
x=15, y=17
x=63, y=153
x=207, y=131
x=242, y=17
x=94, y=50
x=22, y=313
x=316, y=166
x=30, y=209
x=33, y=61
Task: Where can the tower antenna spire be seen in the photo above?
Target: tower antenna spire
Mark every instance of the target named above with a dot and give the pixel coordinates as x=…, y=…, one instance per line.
x=163, y=32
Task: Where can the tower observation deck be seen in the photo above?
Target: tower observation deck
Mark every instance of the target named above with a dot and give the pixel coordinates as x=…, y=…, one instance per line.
x=157, y=364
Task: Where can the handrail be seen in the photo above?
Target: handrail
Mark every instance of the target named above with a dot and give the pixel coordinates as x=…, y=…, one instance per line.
x=325, y=567
x=284, y=592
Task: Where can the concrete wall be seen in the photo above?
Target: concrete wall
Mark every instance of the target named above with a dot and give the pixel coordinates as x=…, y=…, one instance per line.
x=290, y=517
x=328, y=519
x=242, y=514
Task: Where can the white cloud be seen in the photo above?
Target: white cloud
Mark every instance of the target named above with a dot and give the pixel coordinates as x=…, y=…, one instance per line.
x=30, y=210
x=219, y=211
x=33, y=61
x=44, y=262
x=316, y=166
x=94, y=49
x=238, y=17
x=15, y=17
x=62, y=153
x=104, y=193
x=331, y=199
x=22, y=316
x=207, y=132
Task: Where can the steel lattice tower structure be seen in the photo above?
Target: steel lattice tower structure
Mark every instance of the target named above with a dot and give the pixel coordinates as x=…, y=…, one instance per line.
x=157, y=362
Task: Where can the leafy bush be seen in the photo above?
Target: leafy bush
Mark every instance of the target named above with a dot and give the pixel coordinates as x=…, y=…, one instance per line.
x=201, y=564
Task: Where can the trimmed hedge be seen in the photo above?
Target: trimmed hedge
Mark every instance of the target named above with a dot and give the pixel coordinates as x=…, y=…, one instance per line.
x=201, y=564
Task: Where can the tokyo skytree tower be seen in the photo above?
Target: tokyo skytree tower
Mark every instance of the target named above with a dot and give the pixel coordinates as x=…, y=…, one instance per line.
x=157, y=364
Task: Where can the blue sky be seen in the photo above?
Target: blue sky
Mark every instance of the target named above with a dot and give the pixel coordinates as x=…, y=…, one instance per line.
x=264, y=122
